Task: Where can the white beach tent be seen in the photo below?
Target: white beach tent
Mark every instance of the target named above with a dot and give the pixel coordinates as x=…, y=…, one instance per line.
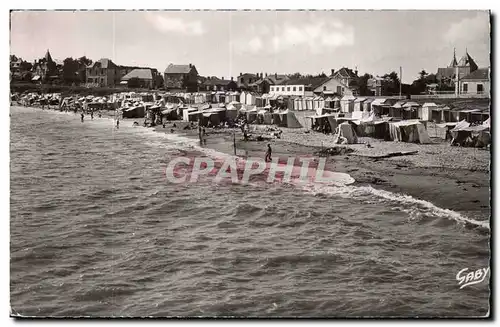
x=345, y=134
x=412, y=131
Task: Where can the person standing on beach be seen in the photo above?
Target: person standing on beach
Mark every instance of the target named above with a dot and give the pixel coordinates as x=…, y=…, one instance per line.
x=117, y=124
x=81, y=117
x=268, y=153
x=91, y=115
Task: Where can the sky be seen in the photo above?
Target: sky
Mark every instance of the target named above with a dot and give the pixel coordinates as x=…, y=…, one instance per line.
x=227, y=43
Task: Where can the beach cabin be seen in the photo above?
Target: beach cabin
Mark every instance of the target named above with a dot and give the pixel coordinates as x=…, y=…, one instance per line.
x=309, y=103
x=367, y=105
x=336, y=102
x=298, y=104
x=396, y=110
x=358, y=104
x=410, y=110
x=426, y=111
x=347, y=103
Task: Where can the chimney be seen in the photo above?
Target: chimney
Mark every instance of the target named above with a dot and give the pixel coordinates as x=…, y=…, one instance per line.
x=266, y=75
x=276, y=75
x=231, y=78
x=190, y=66
x=222, y=78
x=241, y=74
x=333, y=72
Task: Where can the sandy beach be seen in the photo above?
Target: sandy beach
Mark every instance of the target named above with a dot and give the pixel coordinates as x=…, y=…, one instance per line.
x=454, y=178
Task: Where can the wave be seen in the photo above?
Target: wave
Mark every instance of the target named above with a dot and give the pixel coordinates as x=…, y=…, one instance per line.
x=368, y=192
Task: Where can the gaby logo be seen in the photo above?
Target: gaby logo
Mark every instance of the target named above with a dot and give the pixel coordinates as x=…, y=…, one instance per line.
x=466, y=278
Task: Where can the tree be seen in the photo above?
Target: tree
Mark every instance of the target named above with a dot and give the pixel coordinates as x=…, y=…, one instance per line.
x=70, y=70
x=422, y=74
x=362, y=84
x=390, y=85
x=295, y=76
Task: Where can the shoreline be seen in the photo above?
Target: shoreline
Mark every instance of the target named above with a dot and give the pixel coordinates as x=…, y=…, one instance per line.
x=466, y=191
x=462, y=190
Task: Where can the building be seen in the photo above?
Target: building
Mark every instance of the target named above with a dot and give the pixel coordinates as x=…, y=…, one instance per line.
x=140, y=78
x=477, y=82
x=45, y=68
x=374, y=85
x=277, y=79
x=244, y=80
x=333, y=86
x=181, y=77
x=298, y=87
x=103, y=72
x=447, y=76
x=213, y=83
x=346, y=76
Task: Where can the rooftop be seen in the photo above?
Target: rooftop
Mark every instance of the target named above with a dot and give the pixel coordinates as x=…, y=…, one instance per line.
x=479, y=74
x=139, y=73
x=179, y=69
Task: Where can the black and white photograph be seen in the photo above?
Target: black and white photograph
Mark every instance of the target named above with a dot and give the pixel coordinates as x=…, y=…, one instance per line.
x=250, y=163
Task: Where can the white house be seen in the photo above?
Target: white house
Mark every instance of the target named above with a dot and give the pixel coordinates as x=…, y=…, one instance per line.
x=297, y=87
x=333, y=85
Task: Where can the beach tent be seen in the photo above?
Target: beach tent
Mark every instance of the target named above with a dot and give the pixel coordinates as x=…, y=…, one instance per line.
x=186, y=112
x=373, y=127
x=169, y=114
x=264, y=117
x=286, y=119
x=345, y=134
x=412, y=131
x=134, y=112
x=236, y=104
x=251, y=114
x=471, y=136
x=231, y=112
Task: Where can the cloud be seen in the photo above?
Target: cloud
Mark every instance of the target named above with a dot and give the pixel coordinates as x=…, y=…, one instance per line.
x=255, y=44
x=469, y=29
x=166, y=24
x=317, y=36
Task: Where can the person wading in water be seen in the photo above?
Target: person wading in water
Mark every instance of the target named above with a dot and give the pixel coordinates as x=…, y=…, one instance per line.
x=268, y=153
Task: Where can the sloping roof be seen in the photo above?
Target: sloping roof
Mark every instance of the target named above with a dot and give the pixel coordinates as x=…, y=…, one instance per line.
x=314, y=82
x=447, y=72
x=48, y=57
x=467, y=61
x=277, y=79
x=453, y=62
x=247, y=75
x=480, y=74
x=104, y=63
x=178, y=69
x=345, y=72
x=139, y=73
x=217, y=81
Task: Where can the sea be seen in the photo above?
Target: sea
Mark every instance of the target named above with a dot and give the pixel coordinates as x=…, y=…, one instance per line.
x=96, y=230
